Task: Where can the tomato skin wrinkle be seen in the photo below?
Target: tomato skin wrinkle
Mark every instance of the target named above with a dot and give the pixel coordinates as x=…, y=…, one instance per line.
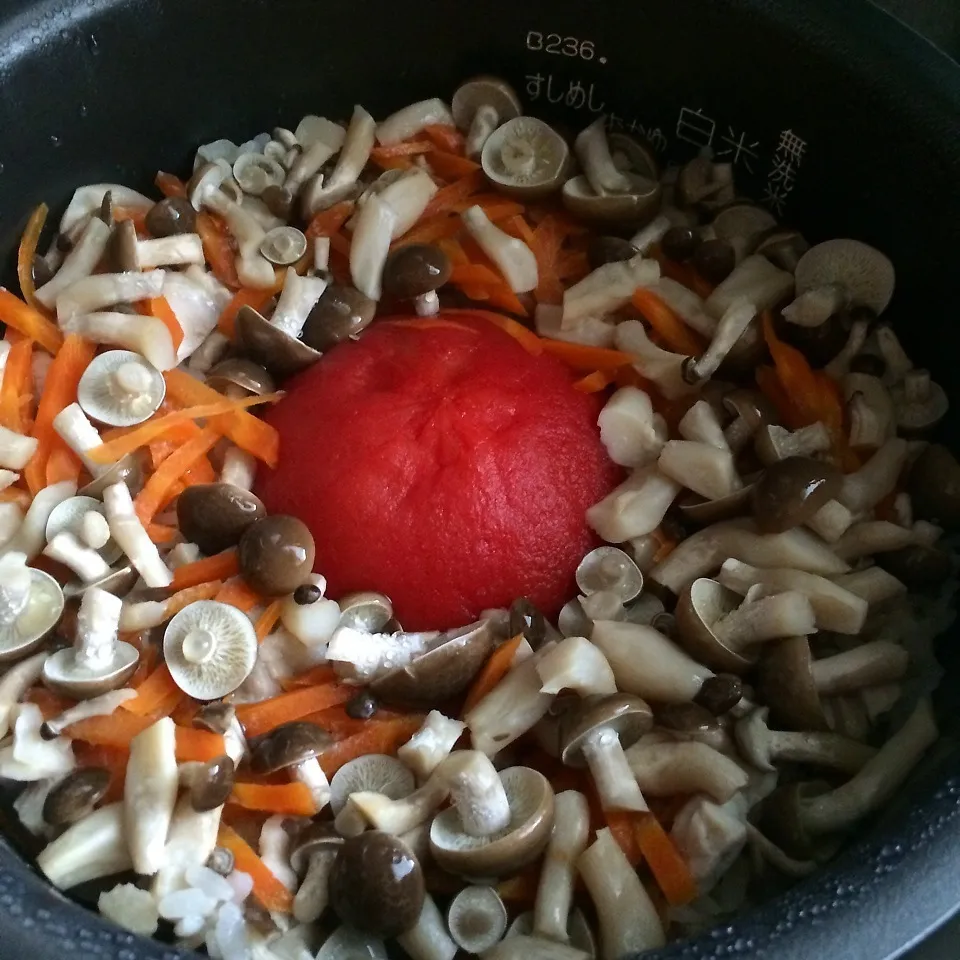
x=444, y=466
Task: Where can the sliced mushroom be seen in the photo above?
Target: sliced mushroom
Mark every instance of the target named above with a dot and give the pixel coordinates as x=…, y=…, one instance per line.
x=131, y=536
x=320, y=193
x=774, y=443
x=700, y=467
x=477, y=919
x=865, y=275
x=294, y=747
x=631, y=432
x=120, y=388
x=131, y=253
x=755, y=280
x=638, y=203
x=634, y=508
x=480, y=106
x=31, y=604
x=101, y=706
x=665, y=768
x=607, y=568
x=919, y=403
x=791, y=491
x=526, y=158
x=431, y=744
x=513, y=257
x=373, y=773
x=80, y=262
x=93, y=847
x=576, y=664
x=210, y=649
x=606, y=289
x=312, y=856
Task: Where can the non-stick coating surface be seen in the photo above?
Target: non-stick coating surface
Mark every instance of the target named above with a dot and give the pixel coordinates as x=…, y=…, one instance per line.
x=112, y=89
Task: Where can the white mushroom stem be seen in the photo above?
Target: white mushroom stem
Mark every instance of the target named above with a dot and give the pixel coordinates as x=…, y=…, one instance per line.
x=755, y=280
x=329, y=139
x=870, y=410
x=143, y=615
x=686, y=305
x=814, y=307
x=431, y=744
x=94, y=530
x=616, y=785
x=275, y=845
x=190, y=841
x=652, y=233
x=321, y=254
x=880, y=699
x=88, y=200
x=839, y=366
x=700, y=467
x=710, y=837
x=93, y=848
x=7, y=477
x=239, y=468
x=144, y=335
x=361, y=657
x=298, y=298
x=213, y=349
x=85, y=562
x=735, y=320
x=130, y=535
x=664, y=769
x=878, y=477
x=11, y=517
x=410, y=120
x=602, y=605
x=576, y=664
x=370, y=245
x=898, y=364
x=401, y=816
x=513, y=257
x=428, y=938
x=878, y=780
x=629, y=922
x=313, y=894
x=311, y=775
x=873, y=536
x=31, y=534
x=568, y=840
x=149, y=794
x=706, y=550
x=593, y=152
x=835, y=607
x=512, y=708
x=359, y=141
x=607, y=288
x=831, y=521
x=635, y=508
x=523, y=947
x=253, y=269
x=80, y=435
x=484, y=122
x=15, y=584
x=879, y=661
x=654, y=363
x=31, y=757
x=630, y=430
x=874, y=585
x=476, y=791
x=409, y=196
x=98, y=621
x=106, y=289
x=15, y=683
x=102, y=706
x=647, y=664
x=701, y=424
x=177, y=250
x=775, y=443
x=15, y=449
x=80, y=262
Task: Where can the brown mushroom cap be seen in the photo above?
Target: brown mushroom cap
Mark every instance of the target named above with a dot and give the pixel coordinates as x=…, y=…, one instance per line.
x=75, y=796
x=312, y=839
x=484, y=91
x=276, y=555
x=934, y=486
x=639, y=154
x=538, y=158
x=785, y=683
x=790, y=492
x=287, y=746
x=703, y=513
x=123, y=246
x=601, y=250
x=626, y=714
x=743, y=221
x=214, y=516
x=240, y=372
x=415, y=269
x=702, y=603
x=280, y=353
x=170, y=216
x=377, y=884
x=215, y=717
x=212, y=783
x=441, y=673
x=129, y=470
x=720, y=693
x=508, y=851
x=342, y=313
x=637, y=206
x=783, y=248
x=525, y=618
x=686, y=718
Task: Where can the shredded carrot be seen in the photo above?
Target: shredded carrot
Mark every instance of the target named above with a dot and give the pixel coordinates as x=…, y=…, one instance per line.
x=201, y=472
x=583, y=358
x=117, y=730
x=594, y=382
x=622, y=826
x=379, y=736
x=51, y=704
x=236, y=592
x=409, y=148
x=430, y=230
x=29, y=321
x=334, y=721
x=17, y=383
x=194, y=744
x=676, y=335
x=519, y=228
x=59, y=391
x=572, y=267
x=160, y=309
x=328, y=222
x=183, y=598
x=312, y=678
x=218, y=249
x=62, y=464
x=137, y=215
x=150, y=498
x=547, y=240
x=523, y=335
x=268, y=891
x=258, y=299
x=291, y=799
x=160, y=534
x=258, y=718
x=268, y=620
x=157, y=688
x=668, y=867
x=444, y=200
x=220, y=566
x=453, y=248
x=450, y=166
x=446, y=137
x=17, y=496
x=497, y=208
x=169, y=185
x=27, y=251
x=494, y=670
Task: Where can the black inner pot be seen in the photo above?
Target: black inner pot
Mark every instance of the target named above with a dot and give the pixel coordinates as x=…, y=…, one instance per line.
x=832, y=109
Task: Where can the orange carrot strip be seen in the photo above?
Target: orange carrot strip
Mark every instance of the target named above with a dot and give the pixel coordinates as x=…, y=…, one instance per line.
x=59, y=390
x=245, y=297
x=494, y=670
x=453, y=248
x=29, y=321
x=268, y=891
x=675, y=333
x=430, y=230
x=328, y=222
x=201, y=472
x=62, y=465
x=152, y=692
x=622, y=826
x=17, y=496
x=50, y=703
x=594, y=382
x=17, y=377
x=198, y=745
x=266, y=715
x=446, y=197
x=117, y=730
x=161, y=534
x=474, y=273
x=584, y=358
x=291, y=799
x=548, y=238
x=169, y=185
x=519, y=228
x=668, y=867
x=267, y=620
x=218, y=249
x=502, y=296
x=409, y=148
x=572, y=267
x=450, y=166
x=336, y=722
x=526, y=337
x=149, y=499
x=27, y=251
x=446, y=137
x=220, y=566
x=159, y=308
x=183, y=598
x=378, y=737
x=312, y=678
x=493, y=205
x=239, y=595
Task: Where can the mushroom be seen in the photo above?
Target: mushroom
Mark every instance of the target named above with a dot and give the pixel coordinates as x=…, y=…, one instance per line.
x=144, y=335
x=523, y=947
x=755, y=280
x=16, y=449
x=415, y=272
x=774, y=443
x=210, y=649
x=374, y=773
x=525, y=158
x=214, y=516
x=131, y=253
x=120, y=388
x=408, y=195
x=798, y=815
x=410, y=120
x=342, y=313
x=668, y=768
x=76, y=796
x=874, y=536
x=634, y=508
x=835, y=607
x=274, y=342
x=791, y=491
x=839, y=365
x=360, y=657
x=131, y=536
x=171, y=216
x=104, y=290
x=638, y=202
x=101, y=706
x=593, y=152
x=873, y=584
x=865, y=277
x=31, y=604
x=865, y=488
x=315, y=141
x=294, y=747
x=751, y=410
x=709, y=837
x=919, y=403
x=628, y=919
x=934, y=486
x=918, y=566
x=699, y=467
x=477, y=919
x=346, y=943
x=764, y=747
x=376, y=884
x=80, y=262
x=601, y=250
x=431, y=744
x=428, y=939
x=312, y=856
x=513, y=257
x=568, y=840
x=607, y=289
x=610, y=569
x=30, y=757
x=370, y=245
x=209, y=784
x=631, y=432
x=481, y=105
x=720, y=694
x=319, y=194
x=276, y=555
x=597, y=734
x=647, y=664
x=221, y=718
x=240, y=377
x=98, y=661
x=309, y=616
x=149, y=794
x=92, y=848
x=791, y=682
x=520, y=842
x=14, y=683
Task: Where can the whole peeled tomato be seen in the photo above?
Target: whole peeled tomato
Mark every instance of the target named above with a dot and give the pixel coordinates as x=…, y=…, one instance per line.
x=442, y=464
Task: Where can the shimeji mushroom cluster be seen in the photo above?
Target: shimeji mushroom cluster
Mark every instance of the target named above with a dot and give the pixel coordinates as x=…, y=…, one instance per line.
x=742, y=639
